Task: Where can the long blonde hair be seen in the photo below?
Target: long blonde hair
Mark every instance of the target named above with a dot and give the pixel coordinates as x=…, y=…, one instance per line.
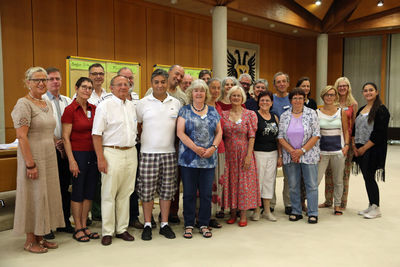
x=349, y=97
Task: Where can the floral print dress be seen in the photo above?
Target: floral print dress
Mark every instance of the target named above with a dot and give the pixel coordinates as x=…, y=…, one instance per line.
x=241, y=187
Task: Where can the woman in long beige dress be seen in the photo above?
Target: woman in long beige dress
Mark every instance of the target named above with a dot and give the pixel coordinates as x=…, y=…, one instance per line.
x=38, y=207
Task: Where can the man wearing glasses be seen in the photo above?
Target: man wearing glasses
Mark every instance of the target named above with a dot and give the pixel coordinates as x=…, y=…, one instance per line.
x=96, y=74
x=246, y=82
x=59, y=102
x=114, y=138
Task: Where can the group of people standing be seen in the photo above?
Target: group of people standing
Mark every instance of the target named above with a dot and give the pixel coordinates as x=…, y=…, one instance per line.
x=232, y=138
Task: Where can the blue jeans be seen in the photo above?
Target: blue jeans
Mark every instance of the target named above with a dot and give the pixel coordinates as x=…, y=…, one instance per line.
x=193, y=180
x=310, y=174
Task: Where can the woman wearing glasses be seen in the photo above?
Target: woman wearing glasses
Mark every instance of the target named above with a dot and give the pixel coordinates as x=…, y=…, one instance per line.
x=38, y=207
x=77, y=123
x=334, y=143
x=299, y=136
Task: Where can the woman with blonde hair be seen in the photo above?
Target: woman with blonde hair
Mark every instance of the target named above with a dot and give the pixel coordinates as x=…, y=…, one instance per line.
x=347, y=102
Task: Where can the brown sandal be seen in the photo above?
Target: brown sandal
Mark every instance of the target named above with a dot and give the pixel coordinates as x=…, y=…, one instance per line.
x=31, y=246
x=46, y=244
x=324, y=205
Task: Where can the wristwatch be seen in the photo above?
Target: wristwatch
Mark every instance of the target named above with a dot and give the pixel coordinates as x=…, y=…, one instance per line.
x=304, y=151
x=216, y=148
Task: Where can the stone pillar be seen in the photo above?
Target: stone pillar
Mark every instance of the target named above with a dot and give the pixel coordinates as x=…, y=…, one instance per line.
x=219, y=39
x=322, y=65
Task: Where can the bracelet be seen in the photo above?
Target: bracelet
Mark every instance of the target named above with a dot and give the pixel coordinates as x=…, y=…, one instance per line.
x=32, y=167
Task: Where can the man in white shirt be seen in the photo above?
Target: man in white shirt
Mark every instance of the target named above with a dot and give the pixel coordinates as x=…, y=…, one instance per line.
x=114, y=134
x=157, y=114
x=96, y=74
x=134, y=199
x=59, y=102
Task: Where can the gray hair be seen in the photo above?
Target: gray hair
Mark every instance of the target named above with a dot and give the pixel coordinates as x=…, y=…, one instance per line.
x=29, y=73
x=243, y=75
x=223, y=83
x=237, y=88
x=124, y=68
x=279, y=74
x=263, y=81
x=159, y=72
x=115, y=77
x=199, y=83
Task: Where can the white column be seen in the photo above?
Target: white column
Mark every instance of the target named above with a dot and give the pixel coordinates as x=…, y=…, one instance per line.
x=219, y=38
x=322, y=65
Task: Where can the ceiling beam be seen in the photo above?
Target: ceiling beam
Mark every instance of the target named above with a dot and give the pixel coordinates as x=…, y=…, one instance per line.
x=338, y=13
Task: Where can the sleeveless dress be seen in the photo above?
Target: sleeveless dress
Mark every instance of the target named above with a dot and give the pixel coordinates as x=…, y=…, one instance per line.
x=38, y=206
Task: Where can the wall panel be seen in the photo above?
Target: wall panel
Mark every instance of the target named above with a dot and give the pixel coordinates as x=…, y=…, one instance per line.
x=335, y=58
x=54, y=35
x=95, y=28
x=130, y=34
x=160, y=39
x=205, y=43
x=16, y=23
x=186, y=48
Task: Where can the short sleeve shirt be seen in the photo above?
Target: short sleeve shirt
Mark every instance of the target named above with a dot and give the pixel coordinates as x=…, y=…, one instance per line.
x=201, y=130
x=81, y=134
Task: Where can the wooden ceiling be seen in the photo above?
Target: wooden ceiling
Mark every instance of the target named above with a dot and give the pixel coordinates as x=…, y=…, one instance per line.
x=301, y=17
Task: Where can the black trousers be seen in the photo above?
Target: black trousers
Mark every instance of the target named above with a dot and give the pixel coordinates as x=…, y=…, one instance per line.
x=134, y=199
x=65, y=180
x=368, y=169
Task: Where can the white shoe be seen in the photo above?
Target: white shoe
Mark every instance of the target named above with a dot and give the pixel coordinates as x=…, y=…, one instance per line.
x=375, y=212
x=362, y=212
x=255, y=216
x=270, y=217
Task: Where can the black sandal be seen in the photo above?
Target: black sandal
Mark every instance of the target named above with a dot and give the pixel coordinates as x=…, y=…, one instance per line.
x=220, y=214
x=92, y=235
x=205, y=232
x=188, y=234
x=312, y=219
x=81, y=238
x=295, y=217
x=215, y=224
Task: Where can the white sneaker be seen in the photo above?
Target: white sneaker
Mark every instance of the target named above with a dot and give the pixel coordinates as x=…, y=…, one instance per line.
x=270, y=217
x=362, y=212
x=375, y=212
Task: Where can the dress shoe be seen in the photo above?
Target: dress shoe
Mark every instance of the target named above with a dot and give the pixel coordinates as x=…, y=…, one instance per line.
x=137, y=224
x=89, y=222
x=125, y=236
x=67, y=229
x=232, y=220
x=106, y=240
x=49, y=236
x=242, y=224
x=288, y=210
x=174, y=218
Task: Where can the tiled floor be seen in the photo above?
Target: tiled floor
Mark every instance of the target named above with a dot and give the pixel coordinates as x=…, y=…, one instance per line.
x=347, y=240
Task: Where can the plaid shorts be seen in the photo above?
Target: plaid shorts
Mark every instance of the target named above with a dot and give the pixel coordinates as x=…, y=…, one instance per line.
x=157, y=173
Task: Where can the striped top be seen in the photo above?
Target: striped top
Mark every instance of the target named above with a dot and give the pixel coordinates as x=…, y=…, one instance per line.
x=332, y=140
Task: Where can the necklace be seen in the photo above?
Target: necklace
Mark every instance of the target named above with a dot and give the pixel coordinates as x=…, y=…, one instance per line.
x=199, y=110
x=41, y=100
x=297, y=112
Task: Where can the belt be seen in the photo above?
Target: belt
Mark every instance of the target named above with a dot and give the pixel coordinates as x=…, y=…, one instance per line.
x=120, y=147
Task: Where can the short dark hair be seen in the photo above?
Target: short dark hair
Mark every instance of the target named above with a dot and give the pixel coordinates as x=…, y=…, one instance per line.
x=265, y=93
x=204, y=72
x=81, y=80
x=296, y=91
x=96, y=65
x=52, y=70
x=159, y=72
x=301, y=80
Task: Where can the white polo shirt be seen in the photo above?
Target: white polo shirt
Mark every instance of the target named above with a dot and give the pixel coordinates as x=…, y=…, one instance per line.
x=115, y=120
x=95, y=99
x=159, y=123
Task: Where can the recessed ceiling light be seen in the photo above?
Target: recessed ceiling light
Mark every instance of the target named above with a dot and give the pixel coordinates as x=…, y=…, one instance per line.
x=318, y=2
x=174, y=2
x=272, y=25
x=295, y=31
x=245, y=19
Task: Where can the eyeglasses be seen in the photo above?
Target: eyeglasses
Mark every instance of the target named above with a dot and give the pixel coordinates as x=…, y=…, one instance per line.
x=55, y=79
x=330, y=95
x=298, y=98
x=37, y=81
x=120, y=85
x=85, y=87
x=129, y=77
x=245, y=84
x=97, y=73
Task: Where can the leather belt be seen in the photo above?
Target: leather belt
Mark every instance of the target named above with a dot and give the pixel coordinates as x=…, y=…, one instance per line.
x=120, y=147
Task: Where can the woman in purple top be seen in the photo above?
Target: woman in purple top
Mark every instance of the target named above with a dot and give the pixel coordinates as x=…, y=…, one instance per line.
x=299, y=136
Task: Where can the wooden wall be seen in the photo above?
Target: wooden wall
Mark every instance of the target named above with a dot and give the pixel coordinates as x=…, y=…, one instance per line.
x=45, y=32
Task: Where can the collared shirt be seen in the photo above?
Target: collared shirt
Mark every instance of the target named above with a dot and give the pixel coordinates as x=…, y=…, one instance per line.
x=94, y=98
x=59, y=104
x=178, y=94
x=159, y=123
x=311, y=129
x=135, y=98
x=81, y=134
x=116, y=122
